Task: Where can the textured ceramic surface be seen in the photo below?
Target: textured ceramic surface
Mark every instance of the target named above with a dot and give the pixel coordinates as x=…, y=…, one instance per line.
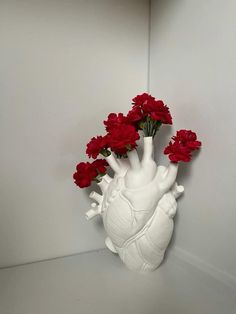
x=137, y=207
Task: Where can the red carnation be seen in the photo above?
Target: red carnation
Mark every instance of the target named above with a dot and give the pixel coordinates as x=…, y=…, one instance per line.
x=84, y=174
x=140, y=100
x=178, y=152
x=87, y=172
x=114, y=120
x=182, y=146
x=100, y=165
x=158, y=111
x=135, y=116
x=123, y=138
x=188, y=138
x=96, y=146
x=149, y=113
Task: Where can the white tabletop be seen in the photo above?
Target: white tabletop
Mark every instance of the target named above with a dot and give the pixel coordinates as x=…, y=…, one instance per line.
x=97, y=283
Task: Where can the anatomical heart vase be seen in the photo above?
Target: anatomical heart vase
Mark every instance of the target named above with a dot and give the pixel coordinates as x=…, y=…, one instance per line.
x=138, y=203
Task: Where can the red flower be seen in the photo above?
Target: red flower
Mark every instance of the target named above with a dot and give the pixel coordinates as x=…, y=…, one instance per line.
x=123, y=138
x=96, y=145
x=158, y=111
x=114, y=120
x=84, y=174
x=100, y=165
x=140, y=100
x=149, y=113
x=178, y=152
x=184, y=143
x=134, y=116
x=188, y=138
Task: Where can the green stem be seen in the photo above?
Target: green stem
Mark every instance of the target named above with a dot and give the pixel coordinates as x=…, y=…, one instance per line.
x=105, y=152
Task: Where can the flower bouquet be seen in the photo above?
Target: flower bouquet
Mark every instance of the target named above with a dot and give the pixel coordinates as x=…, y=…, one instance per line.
x=138, y=203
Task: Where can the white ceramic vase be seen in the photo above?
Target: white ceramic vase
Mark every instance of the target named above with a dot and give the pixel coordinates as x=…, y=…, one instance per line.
x=137, y=207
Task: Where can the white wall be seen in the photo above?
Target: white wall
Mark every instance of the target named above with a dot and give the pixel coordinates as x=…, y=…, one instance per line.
x=65, y=64
x=193, y=67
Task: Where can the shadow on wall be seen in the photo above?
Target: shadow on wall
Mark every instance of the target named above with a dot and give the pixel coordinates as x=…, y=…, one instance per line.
x=184, y=173
x=185, y=170
x=161, y=140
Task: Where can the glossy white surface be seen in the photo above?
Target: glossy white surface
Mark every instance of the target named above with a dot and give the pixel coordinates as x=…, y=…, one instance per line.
x=137, y=207
x=64, y=65
x=98, y=283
